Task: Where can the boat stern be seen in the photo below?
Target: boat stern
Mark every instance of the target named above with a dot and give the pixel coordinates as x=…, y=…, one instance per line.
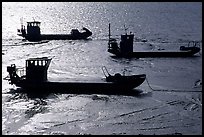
x=14, y=78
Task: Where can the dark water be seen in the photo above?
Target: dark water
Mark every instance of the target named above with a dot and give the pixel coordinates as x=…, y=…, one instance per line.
x=164, y=26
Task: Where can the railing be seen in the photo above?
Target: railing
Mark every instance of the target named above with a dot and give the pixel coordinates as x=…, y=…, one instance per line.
x=194, y=44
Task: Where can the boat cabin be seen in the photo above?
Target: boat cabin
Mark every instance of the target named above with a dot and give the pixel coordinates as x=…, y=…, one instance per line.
x=32, y=32
x=36, y=69
x=33, y=28
x=126, y=44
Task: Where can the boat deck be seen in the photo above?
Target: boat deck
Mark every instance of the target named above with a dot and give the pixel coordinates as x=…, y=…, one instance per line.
x=165, y=53
x=78, y=80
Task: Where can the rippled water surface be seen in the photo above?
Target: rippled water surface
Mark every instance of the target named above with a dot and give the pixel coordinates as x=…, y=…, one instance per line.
x=173, y=107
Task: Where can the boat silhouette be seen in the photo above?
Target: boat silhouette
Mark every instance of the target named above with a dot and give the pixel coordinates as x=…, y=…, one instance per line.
x=35, y=80
x=125, y=49
x=33, y=33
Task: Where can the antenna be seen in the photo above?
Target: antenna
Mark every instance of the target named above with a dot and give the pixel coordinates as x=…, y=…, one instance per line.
x=21, y=20
x=109, y=31
x=125, y=29
x=109, y=35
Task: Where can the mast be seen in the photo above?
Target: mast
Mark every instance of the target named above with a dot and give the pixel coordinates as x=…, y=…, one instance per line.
x=125, y=29
x=21, y=20
x=109, y=35
x=109, y=31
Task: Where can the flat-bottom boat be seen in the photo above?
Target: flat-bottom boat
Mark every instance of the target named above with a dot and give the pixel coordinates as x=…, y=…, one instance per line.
x=35, y=81
x=152, y=54
x=125, y=49
x=33, y=33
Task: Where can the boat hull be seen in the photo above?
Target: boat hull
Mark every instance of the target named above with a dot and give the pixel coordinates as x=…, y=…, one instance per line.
x=188, y=53
x=35, y=81
x=80, y=87
x=56, y=37
x=62, y=37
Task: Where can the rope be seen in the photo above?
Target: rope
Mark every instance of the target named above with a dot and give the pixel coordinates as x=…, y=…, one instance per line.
x=171, y=90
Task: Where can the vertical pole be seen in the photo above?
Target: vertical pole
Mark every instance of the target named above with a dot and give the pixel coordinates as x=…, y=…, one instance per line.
x=109, y=31
x=21, y=20
x=125, y=30
x=109, y=36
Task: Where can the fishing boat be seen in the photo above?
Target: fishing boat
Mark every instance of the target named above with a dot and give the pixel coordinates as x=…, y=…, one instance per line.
x=35, y=80
x=33, y=33
x=125, y=49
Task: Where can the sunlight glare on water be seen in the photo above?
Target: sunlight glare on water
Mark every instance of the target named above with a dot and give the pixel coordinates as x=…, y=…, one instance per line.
x=163, y=26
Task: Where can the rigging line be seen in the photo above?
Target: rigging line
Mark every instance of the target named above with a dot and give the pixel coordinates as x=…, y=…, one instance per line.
x=171, y=90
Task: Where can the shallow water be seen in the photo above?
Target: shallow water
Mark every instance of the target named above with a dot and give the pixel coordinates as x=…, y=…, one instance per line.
x=173, y=107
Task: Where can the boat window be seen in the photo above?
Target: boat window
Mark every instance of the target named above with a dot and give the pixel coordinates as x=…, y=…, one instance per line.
x=30, y=63
x=42, y=63
x=35, y=63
